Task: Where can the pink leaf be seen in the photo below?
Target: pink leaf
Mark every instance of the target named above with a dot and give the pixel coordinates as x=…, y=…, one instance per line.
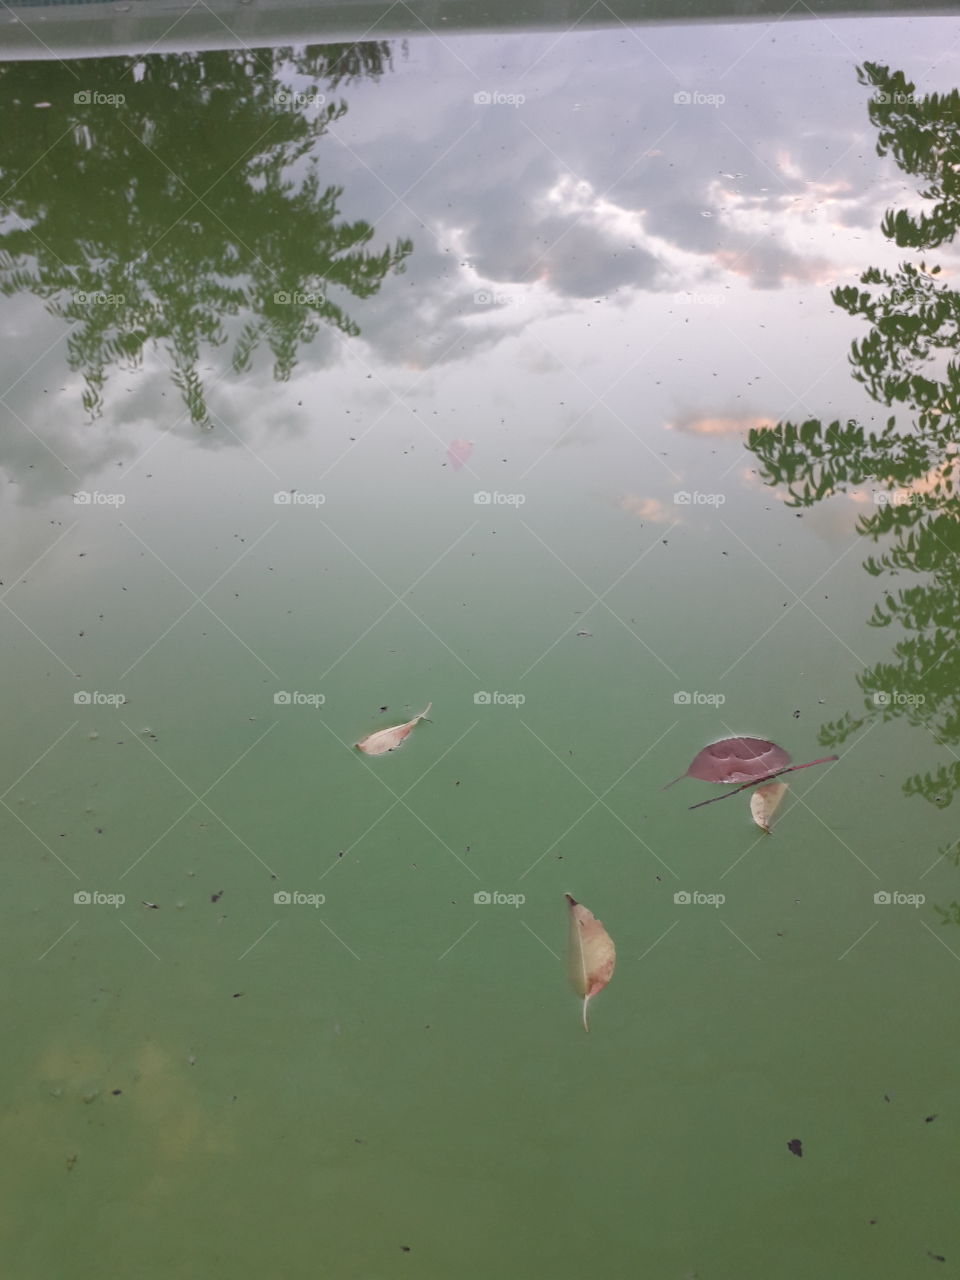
x=591, y=955
x=458, y=451
x=384, y=740
x=736, y=760
x=744, y=760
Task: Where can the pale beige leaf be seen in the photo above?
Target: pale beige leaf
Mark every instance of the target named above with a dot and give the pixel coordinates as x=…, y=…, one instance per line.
x=765, y=801
x=590, y=953
x=384, y=740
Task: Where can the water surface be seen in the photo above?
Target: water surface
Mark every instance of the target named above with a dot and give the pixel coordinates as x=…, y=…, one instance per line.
x=339, y=380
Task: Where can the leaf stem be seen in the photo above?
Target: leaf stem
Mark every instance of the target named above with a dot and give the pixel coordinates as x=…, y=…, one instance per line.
x=756, y=782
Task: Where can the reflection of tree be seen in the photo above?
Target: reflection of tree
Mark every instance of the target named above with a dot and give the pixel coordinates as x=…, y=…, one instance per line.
x=908, y=357
x=181, y=207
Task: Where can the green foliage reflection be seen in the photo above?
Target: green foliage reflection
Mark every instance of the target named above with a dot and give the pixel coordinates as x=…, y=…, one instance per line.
x=191, y=214
x=907, y=359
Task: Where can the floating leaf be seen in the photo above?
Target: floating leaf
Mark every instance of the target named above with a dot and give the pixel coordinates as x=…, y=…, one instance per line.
x=744, y=760
x=765, y=801
x=384, y=740
x=591, y=954
x=458, y=451
x=736, y=760
x=796, y=1146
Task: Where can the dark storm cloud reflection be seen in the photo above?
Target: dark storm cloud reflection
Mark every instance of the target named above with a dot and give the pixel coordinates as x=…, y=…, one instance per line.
x=600, y=183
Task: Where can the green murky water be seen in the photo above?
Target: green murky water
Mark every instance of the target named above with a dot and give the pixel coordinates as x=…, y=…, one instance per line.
x=533, y=375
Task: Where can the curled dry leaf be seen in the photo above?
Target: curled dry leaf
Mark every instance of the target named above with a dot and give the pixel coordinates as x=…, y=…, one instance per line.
x=384, y=740
x=591, y=954
x=765, y=801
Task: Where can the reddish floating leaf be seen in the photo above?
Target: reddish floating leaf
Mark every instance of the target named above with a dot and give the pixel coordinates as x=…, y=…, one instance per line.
x=743, y=786
x=458, y=451
x=736, y=760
